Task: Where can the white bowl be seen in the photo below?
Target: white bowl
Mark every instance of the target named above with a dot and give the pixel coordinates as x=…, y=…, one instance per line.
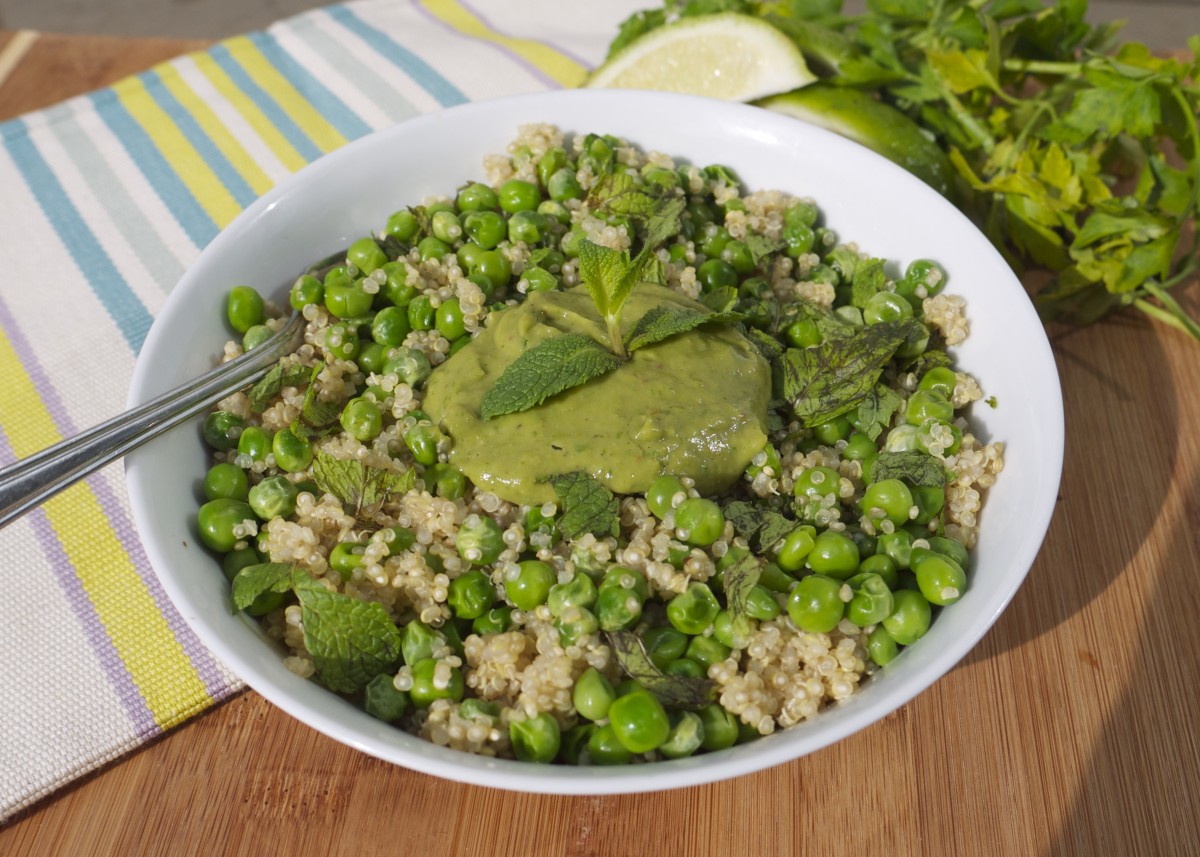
x=864, y=197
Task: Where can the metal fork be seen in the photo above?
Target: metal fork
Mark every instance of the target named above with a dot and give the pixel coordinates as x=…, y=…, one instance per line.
x=27, y=483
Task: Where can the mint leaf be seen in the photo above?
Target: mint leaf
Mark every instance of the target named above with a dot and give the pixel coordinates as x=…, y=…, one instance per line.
x=545, y=370
x=760, y=527
x=876, y=410
x=914, y=467
x=828, y=323
x=662, y=223
x=601, y=270
x=833, y=377
x=760, y=246
x=253, y=580
x=869, y=279
x=316, y=413
x=588, y=507
x=350, y=641
x=673, y=691
x=740, y=578
x=621, y=194
x=360, y=488
x=273, y=383
x=663, y=322
x=766, y=344
x=722, y=299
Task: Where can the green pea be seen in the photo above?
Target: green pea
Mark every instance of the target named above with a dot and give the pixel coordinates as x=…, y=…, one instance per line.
x=834, y=554
x=403, y=225
x=639, y=721
x=713, y=239
x=939, y=379
x=925, y=405
x=526, y=227
x=796, y=547
x=362, y=419
x=939, y=438
x=579, y=591
x=575, y=743
x=397, y=539
x=881, y=647
x=216, y=520
x=255, y=442
x=815, y=604
x=897, y=546
x=486, y=228
x=664, y=644
x=473, y=708
x=293, y=454
x=471, y=595
x=244, y=308
x=817, y=482
x=725, y=633
x=923, y=278
x=390, y=326
x=575, y=623
x=694, y=609
x=256, y=336
x=910, y=617
x=345, y=297
x=941, y=579
x=886, y=306
x=707, y=651
x=495, y=266
x=859, y=447
x=699, y=522
x=929, y=500
x=531, y=585
x=422, y=441
x=446, y=481
x=593, y=694
x=426, y=688
x=774, y=578
x=761, y=604
x=720, y=728
x=366, y=255
x=446, y=227
x=237, y=559
x=832, y=431
x=716, y=274
x=222, y=430
x=891, y=497
x=480, y=540
x=468, y=255
x=685, y=667
x=477, y=197
x=798, y=239
x=396, y=289
x=341, y=341
x=535, y=739
x=803, y=332
x=421, y=313
x=882, y=566
x=431, y=247
x=346, y=558
x=872, y=601
x=617, y=608
x=518, y=195
x=274, y=497
x=951, y=548
x=449, y=319
x=538, y=280
x=306, y=290
x=409, y=365
x=371, y=359
x=915, y=345
x=686, y=735
x=418, y=641
x=604, y=748
x=661, y=493
x=226, y=482
x=382, y=701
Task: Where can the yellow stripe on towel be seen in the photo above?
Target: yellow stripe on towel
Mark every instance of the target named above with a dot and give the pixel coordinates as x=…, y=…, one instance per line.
x=156, y=662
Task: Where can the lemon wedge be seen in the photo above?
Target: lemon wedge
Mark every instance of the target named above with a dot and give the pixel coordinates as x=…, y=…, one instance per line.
x=728, y=56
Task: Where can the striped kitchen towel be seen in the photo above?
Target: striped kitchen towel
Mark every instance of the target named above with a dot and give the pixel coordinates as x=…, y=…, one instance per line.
x=104, y=201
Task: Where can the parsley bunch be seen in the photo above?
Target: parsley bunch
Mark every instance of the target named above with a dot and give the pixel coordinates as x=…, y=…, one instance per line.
x=1078, y=158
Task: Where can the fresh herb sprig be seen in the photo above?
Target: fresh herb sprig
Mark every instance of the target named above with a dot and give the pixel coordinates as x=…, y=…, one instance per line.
x=1078, y=159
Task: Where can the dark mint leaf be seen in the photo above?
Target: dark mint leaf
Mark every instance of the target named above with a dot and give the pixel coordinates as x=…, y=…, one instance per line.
x=869, y=279
x=317, y=413
x=545, y=370
x=741, y=576
x=621, y=194
x=350, y=641
x=673, y=691
x=914, y=467
x=930, y=359
x=723, y=299
x=662, y=223
x=273, y=383
x=831, y=378
x=760, y=526
x=663, y=322
x=588, y=507
x=360, y=487
x=253, y=580
x=876, y=410
x=767, y=344
x=829, y=324
x=760, y=246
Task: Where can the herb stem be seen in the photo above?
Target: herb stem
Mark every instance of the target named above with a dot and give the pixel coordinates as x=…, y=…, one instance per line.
x=1173, y=314
x=614, y=336
x=1042, y=66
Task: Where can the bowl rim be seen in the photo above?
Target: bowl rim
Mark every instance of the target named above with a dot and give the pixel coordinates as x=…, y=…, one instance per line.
x=294, y=697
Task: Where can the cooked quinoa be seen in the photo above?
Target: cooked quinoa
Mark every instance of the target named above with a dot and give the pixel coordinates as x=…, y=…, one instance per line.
x=483, y=686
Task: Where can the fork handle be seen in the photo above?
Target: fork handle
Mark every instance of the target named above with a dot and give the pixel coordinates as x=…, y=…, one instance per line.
x=32, y=480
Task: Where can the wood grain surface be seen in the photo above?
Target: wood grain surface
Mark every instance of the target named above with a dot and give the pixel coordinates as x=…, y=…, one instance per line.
x=1071, y=729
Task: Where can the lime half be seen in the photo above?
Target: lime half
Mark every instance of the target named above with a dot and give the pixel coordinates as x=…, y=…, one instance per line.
x=728, y=56
x=876, y=125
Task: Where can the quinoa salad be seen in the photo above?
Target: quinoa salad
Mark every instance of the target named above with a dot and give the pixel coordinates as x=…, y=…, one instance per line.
x=424, y=506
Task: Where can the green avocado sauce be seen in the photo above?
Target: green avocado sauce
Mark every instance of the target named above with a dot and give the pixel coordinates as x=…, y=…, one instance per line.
x=693, y=405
